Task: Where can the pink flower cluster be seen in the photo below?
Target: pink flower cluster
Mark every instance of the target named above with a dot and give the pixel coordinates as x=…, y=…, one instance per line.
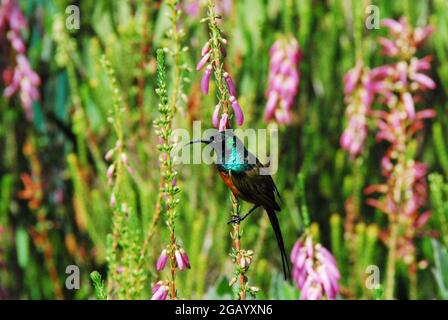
x=404, y=40
x=160, y=290
x=314, y=270
x=193, y=7
x=404, y=80
x=359, y=93
x=403, y=83
x=410, y=177
x=220, y=122
x=284, y=79
x=18, y=76
x=182, y=260
x=399, y=87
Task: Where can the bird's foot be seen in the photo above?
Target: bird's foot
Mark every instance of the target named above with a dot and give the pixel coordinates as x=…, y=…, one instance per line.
x=237, y=219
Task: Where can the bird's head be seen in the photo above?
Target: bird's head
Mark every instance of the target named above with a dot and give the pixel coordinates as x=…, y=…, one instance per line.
x=226, y=145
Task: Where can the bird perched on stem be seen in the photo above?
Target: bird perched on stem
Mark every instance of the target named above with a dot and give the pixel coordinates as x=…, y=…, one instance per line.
x=248, y=180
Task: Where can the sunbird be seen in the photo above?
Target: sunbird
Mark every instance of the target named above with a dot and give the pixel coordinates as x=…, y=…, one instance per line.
x=241, y=172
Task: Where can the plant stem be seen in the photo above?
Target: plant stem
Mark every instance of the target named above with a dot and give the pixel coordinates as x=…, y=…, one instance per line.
x=172, y=263
x=357, y=11
x=413, y=290
x=217, y=57
x=168, y=188
x=144, y=49
x=119, y=231
x=218, y=62
x=391, y=260
x=236, y=235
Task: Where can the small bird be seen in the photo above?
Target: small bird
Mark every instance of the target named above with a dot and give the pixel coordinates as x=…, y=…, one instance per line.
x=242, y=172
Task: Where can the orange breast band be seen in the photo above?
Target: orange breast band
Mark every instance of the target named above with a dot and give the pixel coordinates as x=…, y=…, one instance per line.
x=228, y=181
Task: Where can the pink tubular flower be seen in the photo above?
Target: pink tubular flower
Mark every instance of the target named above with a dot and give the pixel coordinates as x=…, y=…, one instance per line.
x=160, y=291
x=203, y=61
x=223, y=123
x=194, y=7
x=184, y=257
x=179, y=260
x=18, y=77
x=314, y=270
x=224, y=7
x=205, y=82
x=112, y=201
x=284, y=79
x=215, y=117
x=205, y=48
x=110, y=171
x=163, y=259
x=230, y=84
x=237, y=110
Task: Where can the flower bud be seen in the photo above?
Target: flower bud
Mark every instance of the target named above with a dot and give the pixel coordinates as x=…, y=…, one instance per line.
x=215, y=116
x=112, y=200
x=163, y=259
x=110, y=171
x=203, y=61
x=205, y=82
x=237, y=110
x=230, y=84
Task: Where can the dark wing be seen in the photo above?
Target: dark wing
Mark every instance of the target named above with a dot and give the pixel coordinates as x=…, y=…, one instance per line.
x=256, y=188
x=260, y=189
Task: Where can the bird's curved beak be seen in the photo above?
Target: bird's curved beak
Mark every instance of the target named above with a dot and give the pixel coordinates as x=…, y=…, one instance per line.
x=199, y=141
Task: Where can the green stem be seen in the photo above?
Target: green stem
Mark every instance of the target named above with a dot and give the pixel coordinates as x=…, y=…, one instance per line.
x=236, y=235
x=217, y=57
x=287, y=15
x=303, y=206
x=391, y=260
x=358, y=19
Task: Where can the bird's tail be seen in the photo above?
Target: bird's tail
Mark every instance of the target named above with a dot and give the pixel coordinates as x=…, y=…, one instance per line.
x=278, y=234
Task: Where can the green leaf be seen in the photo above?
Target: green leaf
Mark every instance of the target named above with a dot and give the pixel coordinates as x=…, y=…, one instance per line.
x=282, y=290
x=22, y=244
x=221, y=290
x=98, y=283
x=441, y=268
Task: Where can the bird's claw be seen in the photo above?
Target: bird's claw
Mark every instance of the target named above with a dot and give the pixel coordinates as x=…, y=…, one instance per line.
x=237, y=219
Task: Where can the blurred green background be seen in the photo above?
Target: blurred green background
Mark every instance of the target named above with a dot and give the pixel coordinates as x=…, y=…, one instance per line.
x=58, y=157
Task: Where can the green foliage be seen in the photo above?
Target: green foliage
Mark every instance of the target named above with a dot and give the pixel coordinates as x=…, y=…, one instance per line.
x=98, y=283
x=439, y=201
x=440, y=269
x=105, y=85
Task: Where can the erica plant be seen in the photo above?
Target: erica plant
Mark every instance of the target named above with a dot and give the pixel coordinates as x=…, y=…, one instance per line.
x=358, y=92
x=168, y=189
x=284, y=79
x=17, y=74
x=173, y=253
x=213, y=54
x=315, y=270
x=121, y=257
x=399, y=89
